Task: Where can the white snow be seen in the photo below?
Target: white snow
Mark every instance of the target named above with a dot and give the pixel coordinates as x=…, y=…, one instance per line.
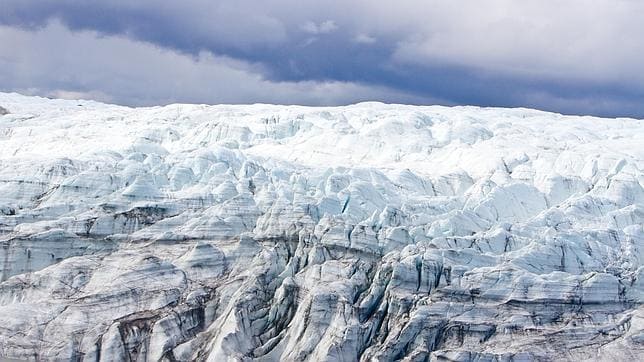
x=369, y=231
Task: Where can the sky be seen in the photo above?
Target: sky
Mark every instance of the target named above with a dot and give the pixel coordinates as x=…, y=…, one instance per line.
x=573, y=57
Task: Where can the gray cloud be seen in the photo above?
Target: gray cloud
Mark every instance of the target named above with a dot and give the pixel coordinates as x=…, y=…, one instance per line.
x=578, y=56
x=54, y=61
x=324, y=27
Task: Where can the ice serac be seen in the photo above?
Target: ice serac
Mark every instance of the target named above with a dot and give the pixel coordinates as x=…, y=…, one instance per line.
x=368, y=232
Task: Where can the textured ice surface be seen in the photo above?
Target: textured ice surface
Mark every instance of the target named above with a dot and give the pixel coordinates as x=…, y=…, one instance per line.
x=366, y=232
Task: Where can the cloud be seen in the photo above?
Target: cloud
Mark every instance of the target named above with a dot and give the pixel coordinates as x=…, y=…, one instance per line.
x=597, y=41
x=54, y=61
x=364, y=39
x=325, y=27
x=578, y=56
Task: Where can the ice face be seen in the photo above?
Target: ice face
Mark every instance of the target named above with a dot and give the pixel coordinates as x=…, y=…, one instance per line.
x=365, y=232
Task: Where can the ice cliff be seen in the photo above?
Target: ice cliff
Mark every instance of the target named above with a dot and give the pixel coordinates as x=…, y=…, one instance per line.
x=368, y=232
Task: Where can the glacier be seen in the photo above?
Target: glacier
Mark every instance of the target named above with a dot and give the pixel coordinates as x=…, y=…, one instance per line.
x=368, y=232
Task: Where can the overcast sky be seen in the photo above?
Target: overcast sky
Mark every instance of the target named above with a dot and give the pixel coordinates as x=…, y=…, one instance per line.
x=573, y=56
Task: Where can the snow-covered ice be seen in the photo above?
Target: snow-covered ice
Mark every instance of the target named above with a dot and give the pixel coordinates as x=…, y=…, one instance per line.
x=366, y=232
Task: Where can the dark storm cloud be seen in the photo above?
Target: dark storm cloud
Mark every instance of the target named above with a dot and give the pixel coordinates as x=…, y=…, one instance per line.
x=574, y=57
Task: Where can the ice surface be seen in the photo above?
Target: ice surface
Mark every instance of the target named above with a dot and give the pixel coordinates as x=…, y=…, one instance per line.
x=365, y=232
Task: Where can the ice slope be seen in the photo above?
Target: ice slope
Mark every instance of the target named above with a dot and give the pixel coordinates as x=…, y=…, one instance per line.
x=366, y=232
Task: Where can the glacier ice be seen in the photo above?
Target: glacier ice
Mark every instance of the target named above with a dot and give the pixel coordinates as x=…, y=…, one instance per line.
x=367, y=232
